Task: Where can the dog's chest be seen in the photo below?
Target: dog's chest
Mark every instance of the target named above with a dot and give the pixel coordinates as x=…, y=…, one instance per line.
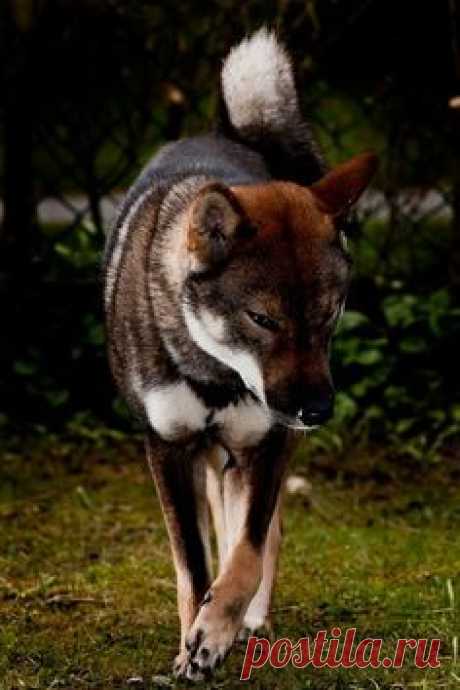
x=175, y=411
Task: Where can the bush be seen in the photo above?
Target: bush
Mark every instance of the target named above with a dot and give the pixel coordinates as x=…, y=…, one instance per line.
x=397, y=375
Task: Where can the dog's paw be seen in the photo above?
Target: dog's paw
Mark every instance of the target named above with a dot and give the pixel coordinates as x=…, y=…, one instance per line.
x=207, y=650
x=184, y=668
x=208, y=643
x=179, y=668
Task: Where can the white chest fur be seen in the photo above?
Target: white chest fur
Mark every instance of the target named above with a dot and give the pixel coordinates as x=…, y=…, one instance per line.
x=175, y=411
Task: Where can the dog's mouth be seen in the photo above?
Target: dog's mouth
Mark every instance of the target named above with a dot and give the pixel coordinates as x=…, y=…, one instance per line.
x=286, y=419
x=293, y=422
x=313, y=414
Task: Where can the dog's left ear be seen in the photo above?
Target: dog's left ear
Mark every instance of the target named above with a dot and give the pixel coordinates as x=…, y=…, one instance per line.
x=214, y=223
x=340, y=188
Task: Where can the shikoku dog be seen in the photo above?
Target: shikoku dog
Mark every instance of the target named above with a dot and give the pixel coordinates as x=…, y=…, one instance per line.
x=225, y=274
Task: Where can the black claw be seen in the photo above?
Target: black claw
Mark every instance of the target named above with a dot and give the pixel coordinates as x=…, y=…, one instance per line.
x=204, y=653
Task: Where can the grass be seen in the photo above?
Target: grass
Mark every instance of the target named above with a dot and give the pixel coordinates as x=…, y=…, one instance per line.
x=87, y=594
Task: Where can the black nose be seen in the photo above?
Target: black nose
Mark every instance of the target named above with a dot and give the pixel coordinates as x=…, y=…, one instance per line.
x=315, y=412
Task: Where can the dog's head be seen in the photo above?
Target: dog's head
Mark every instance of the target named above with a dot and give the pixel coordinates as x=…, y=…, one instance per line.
x=268, y=278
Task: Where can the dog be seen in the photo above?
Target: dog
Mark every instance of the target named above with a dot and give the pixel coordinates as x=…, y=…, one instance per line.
x=225, y=273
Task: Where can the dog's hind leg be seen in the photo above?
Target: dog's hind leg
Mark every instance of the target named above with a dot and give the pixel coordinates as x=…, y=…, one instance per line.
x=257, y=617
x=217, y=459
x=179, y=473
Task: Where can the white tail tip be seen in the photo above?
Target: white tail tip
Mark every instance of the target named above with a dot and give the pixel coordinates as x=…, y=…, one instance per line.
x=258, y=83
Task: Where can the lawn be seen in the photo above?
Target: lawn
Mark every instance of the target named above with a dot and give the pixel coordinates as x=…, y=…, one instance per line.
x=87, y=592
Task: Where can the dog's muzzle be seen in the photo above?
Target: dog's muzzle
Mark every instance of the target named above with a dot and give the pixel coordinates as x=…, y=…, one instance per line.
x=316, y=409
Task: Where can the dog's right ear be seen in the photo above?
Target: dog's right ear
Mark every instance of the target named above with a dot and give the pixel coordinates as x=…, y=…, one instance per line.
x=215, y=221
x=340, y=188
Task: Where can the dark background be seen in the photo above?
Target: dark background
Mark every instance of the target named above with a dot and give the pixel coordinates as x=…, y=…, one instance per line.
x=91, y=89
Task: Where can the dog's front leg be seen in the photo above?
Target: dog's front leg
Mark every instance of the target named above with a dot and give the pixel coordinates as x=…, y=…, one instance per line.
x=179, y=472
x=257, y=479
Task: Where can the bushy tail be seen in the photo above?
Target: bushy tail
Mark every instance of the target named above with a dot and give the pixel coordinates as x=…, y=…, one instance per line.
x=260, y=107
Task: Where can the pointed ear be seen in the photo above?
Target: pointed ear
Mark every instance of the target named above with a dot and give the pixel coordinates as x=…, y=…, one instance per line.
x=340, y=188
x=216, y=218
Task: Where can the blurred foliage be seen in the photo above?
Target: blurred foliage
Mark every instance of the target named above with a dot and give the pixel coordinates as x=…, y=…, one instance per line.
x=121, y=78
x=396, y=376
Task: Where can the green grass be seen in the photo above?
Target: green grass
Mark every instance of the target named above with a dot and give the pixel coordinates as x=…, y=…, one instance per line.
x=87, y=594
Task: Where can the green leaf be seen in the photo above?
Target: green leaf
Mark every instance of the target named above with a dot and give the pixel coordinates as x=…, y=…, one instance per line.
x=412, y=345
x=368, y=357
x=63, y=249
x=351, y=320
x=345, y=407
x=57, y=398
x=404, y=425
x=400, y=310
x=24, y=368
x=455, y=412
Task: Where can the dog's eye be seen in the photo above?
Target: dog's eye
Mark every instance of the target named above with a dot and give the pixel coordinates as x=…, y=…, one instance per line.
x=264, y=321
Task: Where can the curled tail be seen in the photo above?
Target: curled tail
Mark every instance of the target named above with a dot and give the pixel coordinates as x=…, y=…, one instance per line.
x=260, y=107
